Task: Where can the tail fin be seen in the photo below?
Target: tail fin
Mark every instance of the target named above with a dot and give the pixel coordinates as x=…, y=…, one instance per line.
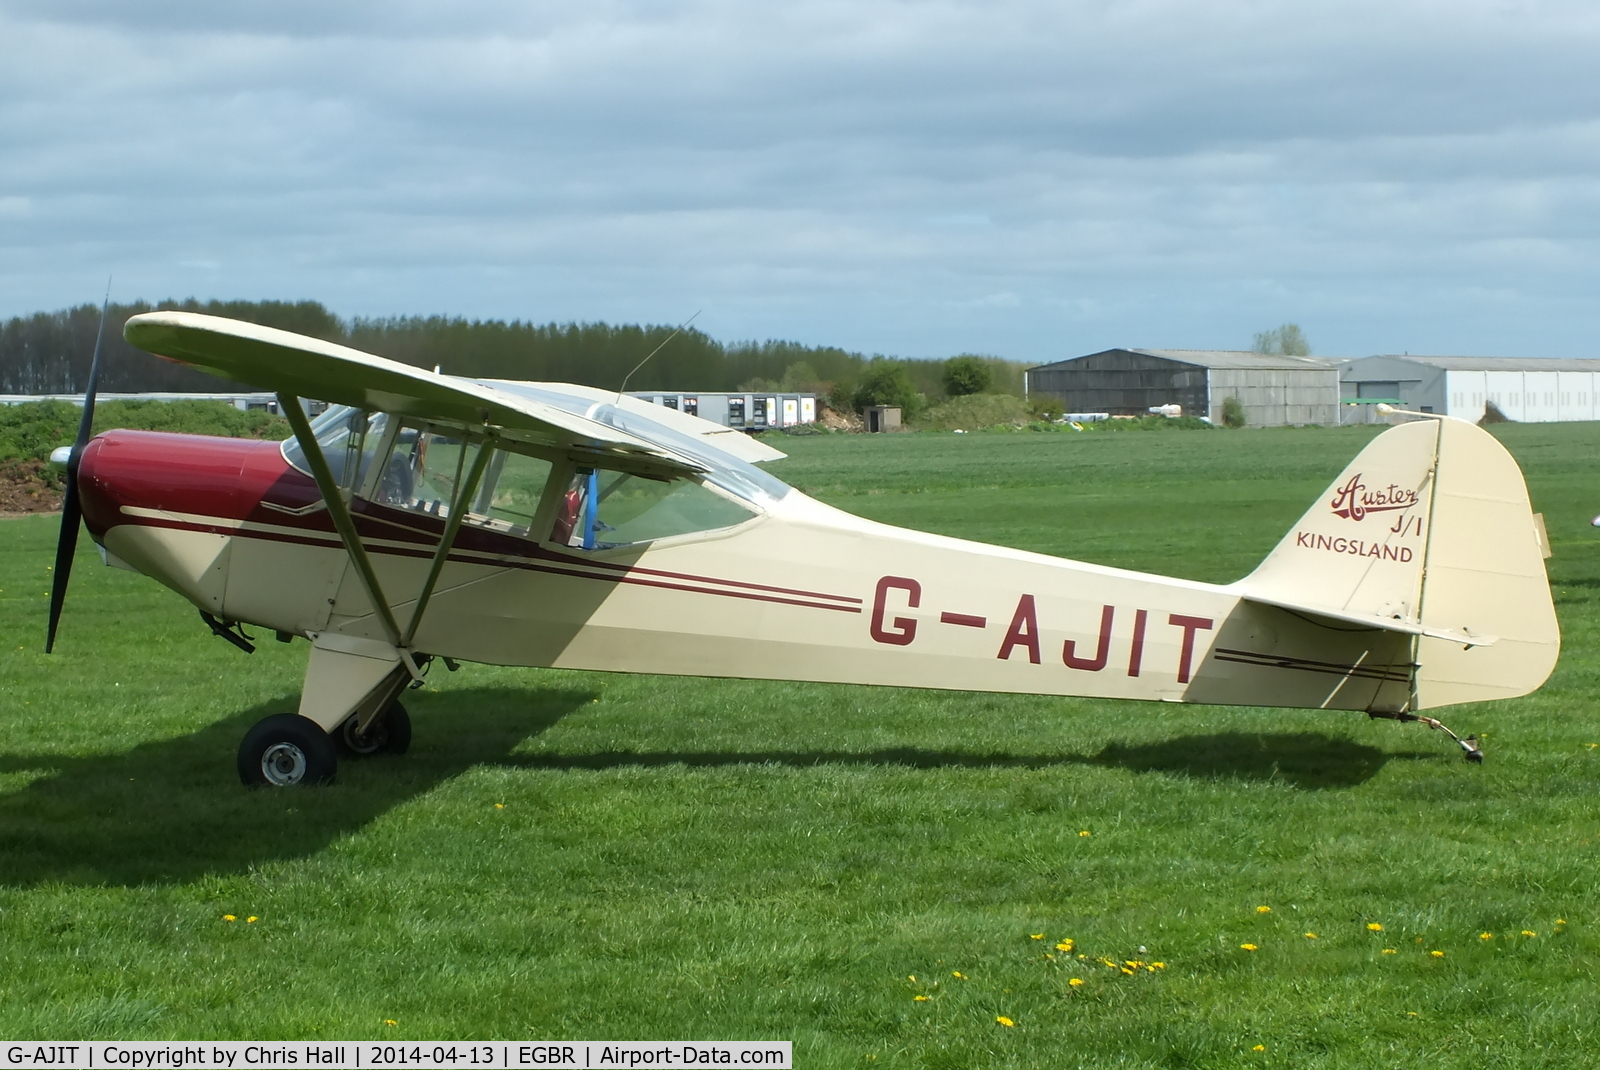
x=1428, y=531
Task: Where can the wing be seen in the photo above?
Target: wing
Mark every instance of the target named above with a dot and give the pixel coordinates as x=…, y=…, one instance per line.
x=308, y=367
x=638, y=415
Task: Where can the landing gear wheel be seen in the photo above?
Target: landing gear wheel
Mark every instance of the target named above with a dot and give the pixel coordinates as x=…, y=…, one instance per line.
x=286, y=750
x=389, y=734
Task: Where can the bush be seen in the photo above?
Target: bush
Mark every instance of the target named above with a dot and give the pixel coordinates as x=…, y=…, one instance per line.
x=975, y=411
x=1232, y=412
x=967, y=375
x=34, y=428
x=31, y=430
x=1153, y=423
x=887, y=383
x=1045, y=407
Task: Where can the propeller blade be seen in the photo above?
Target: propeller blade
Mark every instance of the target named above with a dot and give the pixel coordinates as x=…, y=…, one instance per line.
x=71, y=508
x=66, y=544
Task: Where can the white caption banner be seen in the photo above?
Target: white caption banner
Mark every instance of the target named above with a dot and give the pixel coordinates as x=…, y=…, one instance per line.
x=300, y=1055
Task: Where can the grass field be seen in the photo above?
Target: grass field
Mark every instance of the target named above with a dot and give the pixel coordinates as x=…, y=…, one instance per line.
x=589, y=856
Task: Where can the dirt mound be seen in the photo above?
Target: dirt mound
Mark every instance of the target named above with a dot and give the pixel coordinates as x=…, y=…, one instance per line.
x=27, y=487
x=834, y=420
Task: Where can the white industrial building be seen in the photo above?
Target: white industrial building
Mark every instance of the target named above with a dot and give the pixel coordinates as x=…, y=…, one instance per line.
x=1525, y=389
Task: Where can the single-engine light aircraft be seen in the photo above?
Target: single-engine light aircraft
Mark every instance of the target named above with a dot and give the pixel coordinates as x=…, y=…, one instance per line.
x=426, y=516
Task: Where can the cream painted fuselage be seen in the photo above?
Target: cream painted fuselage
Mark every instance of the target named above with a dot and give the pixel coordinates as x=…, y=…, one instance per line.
x=800, y=592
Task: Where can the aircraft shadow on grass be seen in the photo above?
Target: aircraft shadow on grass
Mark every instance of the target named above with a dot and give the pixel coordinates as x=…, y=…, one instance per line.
x=173, y=811
x=1309, y=761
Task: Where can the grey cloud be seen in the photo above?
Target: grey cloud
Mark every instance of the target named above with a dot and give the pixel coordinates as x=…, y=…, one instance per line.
x=1144, y=173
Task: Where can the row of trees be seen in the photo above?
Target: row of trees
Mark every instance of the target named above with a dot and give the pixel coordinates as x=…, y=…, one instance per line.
x=50, y=352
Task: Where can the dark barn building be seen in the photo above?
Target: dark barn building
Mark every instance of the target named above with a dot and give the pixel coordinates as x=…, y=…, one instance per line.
x=1130, y=382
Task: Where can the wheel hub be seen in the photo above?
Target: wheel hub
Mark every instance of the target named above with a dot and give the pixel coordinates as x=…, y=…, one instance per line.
x=283, y=764
x=369, y=742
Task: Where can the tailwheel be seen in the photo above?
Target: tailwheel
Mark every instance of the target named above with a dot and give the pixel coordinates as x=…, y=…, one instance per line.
x=286, y=750
x=389, y=733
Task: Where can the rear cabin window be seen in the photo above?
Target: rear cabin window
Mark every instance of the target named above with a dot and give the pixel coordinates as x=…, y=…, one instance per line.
x=601, y=510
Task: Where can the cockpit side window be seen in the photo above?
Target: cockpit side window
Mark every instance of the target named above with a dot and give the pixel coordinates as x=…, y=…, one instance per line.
x=425, y=469
x=421, y=469
x=601, y=510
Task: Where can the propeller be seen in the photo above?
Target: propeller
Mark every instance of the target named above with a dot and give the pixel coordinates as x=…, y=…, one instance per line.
x=71, y=508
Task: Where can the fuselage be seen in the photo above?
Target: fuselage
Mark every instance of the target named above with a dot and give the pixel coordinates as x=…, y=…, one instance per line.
x=799, y=591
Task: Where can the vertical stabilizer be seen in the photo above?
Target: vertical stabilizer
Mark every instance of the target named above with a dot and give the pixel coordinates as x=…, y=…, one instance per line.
x=1360, y=548
x=1429, y=530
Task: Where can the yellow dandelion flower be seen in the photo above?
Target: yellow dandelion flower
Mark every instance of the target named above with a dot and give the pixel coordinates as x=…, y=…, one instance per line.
x=1150, y=969
x=1390, y=951
x=1037, y=936
x=1263, y=910
x=1081, y=955
x=499, y=806
x=1412, y=1014
x=229, y=917
x=390, y=1021
x=1529, y=932
x=1437, y=954
x=958, y=973
x=1374, y=927
x=1249, y=947
x=1076, y=982
x=1259, y=1047
x=1486, y=936
x=1007, y=1022
x=1158, y=965
x=251, y=920
x=1561, y=921
x=1311, y=936
x=1065, y=945
x=1125, y=971
x=911, y=977
x=920, y=999
x=1083, y=832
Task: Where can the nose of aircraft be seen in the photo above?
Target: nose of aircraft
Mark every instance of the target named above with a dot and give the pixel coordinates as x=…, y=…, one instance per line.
x=140, y=476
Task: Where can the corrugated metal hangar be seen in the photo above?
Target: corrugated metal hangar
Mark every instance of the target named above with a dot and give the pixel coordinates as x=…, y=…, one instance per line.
x=1526, y=389
x=1128, y=382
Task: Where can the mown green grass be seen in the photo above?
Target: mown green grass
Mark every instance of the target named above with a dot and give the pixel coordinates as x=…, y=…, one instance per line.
x=582, y=855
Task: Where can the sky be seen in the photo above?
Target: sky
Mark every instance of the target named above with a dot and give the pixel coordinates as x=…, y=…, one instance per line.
x=1032, y=180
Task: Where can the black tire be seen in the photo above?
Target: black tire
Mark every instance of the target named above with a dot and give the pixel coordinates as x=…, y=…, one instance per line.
x=390, y=734
x=287, y=750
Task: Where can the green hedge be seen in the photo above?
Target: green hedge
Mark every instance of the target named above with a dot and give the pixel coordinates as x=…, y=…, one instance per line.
x=33, y=429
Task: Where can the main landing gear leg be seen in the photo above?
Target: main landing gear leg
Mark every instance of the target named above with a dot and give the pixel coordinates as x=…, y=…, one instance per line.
x=1472, y=752
x=350, y=696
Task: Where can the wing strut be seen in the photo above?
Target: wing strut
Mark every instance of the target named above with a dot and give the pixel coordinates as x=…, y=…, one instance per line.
x=339, y=511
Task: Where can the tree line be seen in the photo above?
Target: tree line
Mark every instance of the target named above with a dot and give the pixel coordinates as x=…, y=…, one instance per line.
x=50, y=353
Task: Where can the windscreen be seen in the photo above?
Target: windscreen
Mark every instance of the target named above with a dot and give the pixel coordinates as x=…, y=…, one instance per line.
x=349, y=439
